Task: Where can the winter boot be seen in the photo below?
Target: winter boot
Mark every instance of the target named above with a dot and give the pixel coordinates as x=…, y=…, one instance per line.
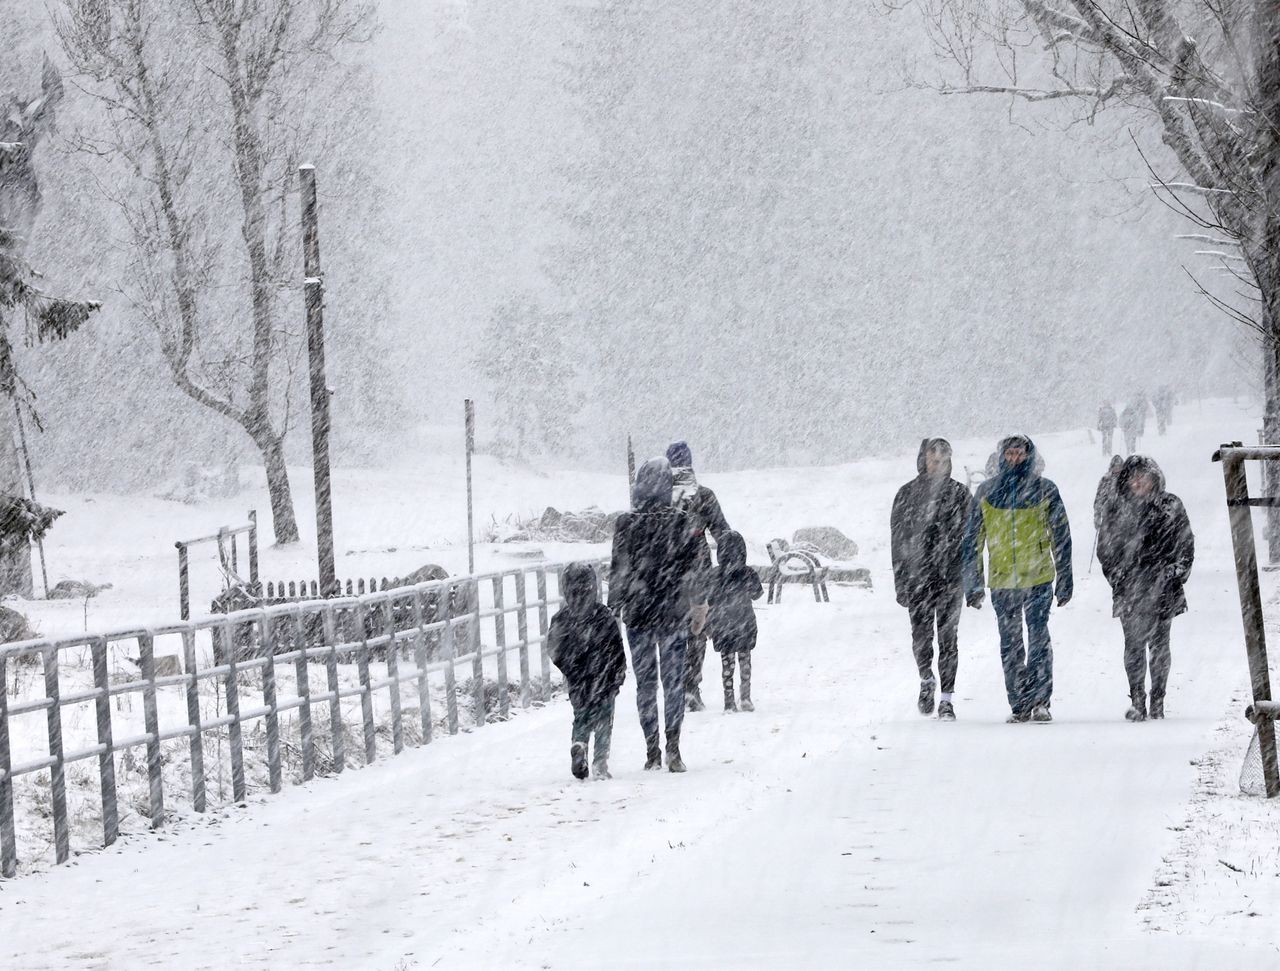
x=1018, y=717
x=744, y=664
x=946, y=712
x=578, y=759
x=729, y=703
x=601, y=771
x=726, y=678
x=1157, y=708
x=1137, y=708
x=925, y=701
x=653, y=758
x=1040, y=713
x=693, y=700
x=674, y=762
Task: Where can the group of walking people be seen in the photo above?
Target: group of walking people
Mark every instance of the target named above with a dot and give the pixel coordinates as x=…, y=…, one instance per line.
x=1132, y=419
x=664, y=588
x=1017, y=518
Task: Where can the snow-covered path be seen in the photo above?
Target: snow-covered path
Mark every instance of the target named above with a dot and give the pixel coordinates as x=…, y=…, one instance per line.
x=834, y=827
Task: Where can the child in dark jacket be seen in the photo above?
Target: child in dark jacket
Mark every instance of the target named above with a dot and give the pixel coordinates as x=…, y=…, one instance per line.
x=733, y=620
x=585, y=644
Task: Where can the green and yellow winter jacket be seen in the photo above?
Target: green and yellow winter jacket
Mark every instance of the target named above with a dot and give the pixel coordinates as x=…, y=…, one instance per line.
x=1019, y=517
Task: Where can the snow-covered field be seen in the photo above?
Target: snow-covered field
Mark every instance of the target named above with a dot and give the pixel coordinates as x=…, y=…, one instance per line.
x=833, y=827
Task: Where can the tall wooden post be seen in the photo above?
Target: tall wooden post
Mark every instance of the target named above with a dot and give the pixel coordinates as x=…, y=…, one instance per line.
x=314, y=291
x=469, y=417
x=631, y=464
x=1246, y=557
x=31, y=486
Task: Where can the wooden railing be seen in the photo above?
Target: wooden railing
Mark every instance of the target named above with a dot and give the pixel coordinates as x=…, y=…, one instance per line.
x=448, y=617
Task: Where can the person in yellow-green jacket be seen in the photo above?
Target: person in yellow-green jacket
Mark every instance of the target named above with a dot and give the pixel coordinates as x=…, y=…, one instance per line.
x=1018, y=516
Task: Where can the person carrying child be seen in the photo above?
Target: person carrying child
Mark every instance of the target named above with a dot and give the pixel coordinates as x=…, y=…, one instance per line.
x=584, y=642
x=732, y=622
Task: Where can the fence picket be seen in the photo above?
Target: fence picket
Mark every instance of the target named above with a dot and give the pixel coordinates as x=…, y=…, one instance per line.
x=477, y=655
x=542, y=628
x=268, y=636
x=522, y=632
x=198, y=789
x=304, y=692
x=449, y=647
x=335, y=704
x=420, y=658
x=151, y=717
x=107, y=759
x=393, y=674
x=232, y=689
x=8, y=842
x=500, y=635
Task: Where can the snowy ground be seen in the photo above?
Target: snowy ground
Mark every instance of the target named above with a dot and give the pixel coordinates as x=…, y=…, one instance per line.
x=833, y=827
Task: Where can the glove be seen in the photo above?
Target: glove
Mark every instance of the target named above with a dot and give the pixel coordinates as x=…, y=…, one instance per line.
x=974, y=599
x=698, y=618
x=1064, y=598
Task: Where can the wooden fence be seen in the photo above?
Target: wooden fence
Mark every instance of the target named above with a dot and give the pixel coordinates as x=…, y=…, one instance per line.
x=280, y=631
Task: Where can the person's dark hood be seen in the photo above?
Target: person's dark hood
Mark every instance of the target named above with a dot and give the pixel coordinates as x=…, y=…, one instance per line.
x=731, y=549
x=579, y=587
x=926, y=446
x=1027, y=466
x=680, y=455
x=653, y=485
x=1134, y=465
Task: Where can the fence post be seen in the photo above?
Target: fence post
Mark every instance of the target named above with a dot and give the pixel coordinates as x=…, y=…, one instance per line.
x=233, y=712
x=1246, y=557
x=304, y=692
x=522, y=631
x=420, y=658
x=269, y=701
x=8, y=841
x=449, y=647
x=57, y=776
x=393, y=672
x=335, y=703
x=253, y=552
x=147, y=657
x=366, y=688
x=106, y=758
x=184, y=587
x=193, y=717
x=500, y=635
x=542, y=629
x=477, y=654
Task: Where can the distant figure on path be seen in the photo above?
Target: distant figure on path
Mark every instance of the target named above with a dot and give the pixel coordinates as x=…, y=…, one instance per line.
x=926, y=525
x=701, y=505
x=1163, y=404
x=1107, y=425
x=733, y=619
x=1147, y=558
x=1131, y=422
x=585, y=644
x=655, y=578
x=1020, y=519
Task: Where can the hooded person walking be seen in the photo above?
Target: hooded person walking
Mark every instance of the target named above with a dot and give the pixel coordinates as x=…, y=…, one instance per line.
x=702, y=506
x=1146, y=549
x=585, y=644
x=733, y=619
x=1019, y=518
x=927, y=526
x=655, y=579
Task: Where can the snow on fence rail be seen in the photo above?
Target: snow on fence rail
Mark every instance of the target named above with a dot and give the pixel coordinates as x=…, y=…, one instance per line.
x=271, y=646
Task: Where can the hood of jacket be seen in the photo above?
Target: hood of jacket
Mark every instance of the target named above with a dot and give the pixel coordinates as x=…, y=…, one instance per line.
x=929, y=444
x=653, y=485
x=1135, y=465
x=731, y=549
x=579, y=587
x=1027, y=466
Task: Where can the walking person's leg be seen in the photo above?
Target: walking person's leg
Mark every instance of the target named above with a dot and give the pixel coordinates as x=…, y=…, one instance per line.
x=602, y=726
x=744, y=666
x=1161, y=658
x=644, y=662
x=726, y=678
x=948, y=620
x=1013, y=655
x=922, y=647
x=671, y=663
x=695, y=657
x=1137, y=630
x=579, y=735
x=1038, y=686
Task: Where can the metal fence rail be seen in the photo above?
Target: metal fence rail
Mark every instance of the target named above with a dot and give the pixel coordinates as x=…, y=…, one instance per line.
x=446, y=631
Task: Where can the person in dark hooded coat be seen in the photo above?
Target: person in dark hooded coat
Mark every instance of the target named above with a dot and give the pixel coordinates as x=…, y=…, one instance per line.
x=926, y=528
x=733, y=620
x=1107, y=425
x=1147, y=559
x=584, y=642
x=655, y=579
x=1020, y=518
x=702, y=506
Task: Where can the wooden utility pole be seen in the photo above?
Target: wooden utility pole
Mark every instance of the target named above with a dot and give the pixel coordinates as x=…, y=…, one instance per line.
x=31, y=486
x=314, y=290
x=631, y=464
x=469, y=418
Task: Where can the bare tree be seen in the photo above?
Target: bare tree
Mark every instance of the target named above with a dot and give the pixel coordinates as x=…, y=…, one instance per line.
x=1202, y=74
x=208, y=107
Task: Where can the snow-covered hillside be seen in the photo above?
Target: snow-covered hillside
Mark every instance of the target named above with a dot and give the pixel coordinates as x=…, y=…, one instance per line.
x=833, y=827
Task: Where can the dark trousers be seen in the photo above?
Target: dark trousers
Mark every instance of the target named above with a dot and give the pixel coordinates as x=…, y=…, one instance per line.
x=1028, y=670
x=726, y=673
x=1107, y=435
x=945, y=618
x=695, y=656
x=1130, y=441
x=1146, y=634
x=595, y=718
x=659, y=652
